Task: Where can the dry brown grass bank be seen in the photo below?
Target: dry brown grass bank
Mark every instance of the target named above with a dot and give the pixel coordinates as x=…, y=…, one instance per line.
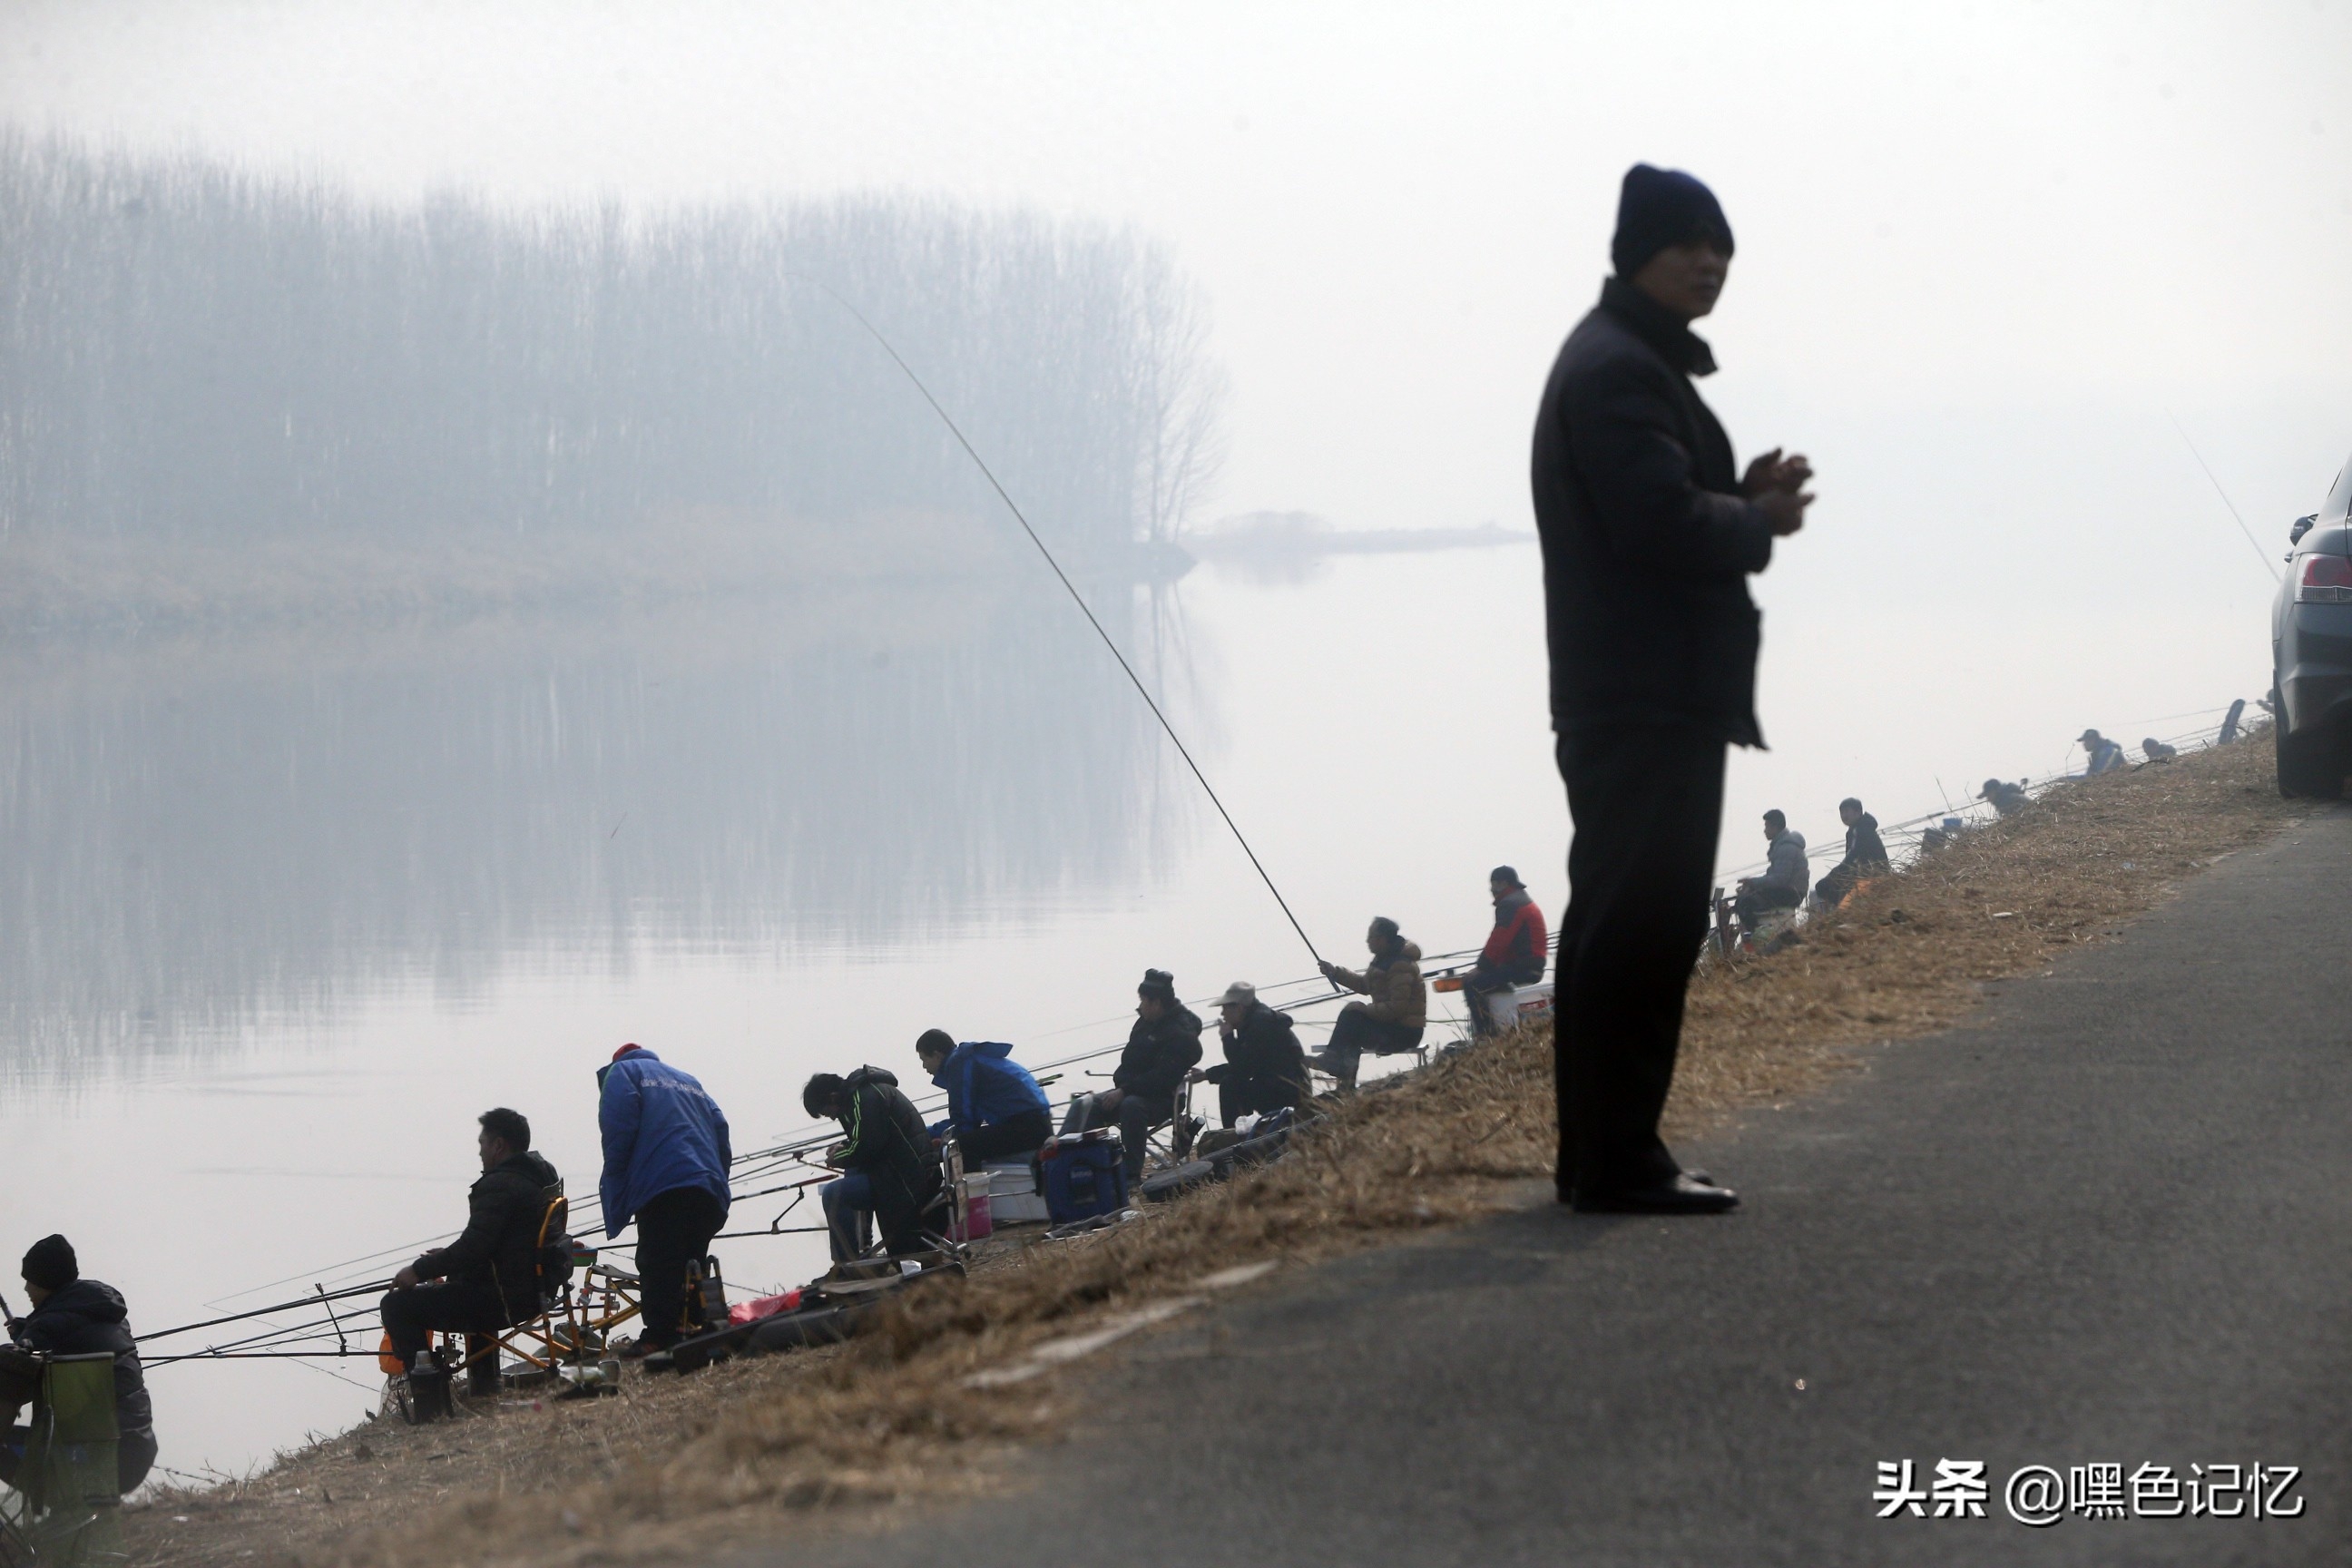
x=789, y=1446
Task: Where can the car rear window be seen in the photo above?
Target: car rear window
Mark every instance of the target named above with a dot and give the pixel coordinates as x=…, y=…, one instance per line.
x=2339, y=500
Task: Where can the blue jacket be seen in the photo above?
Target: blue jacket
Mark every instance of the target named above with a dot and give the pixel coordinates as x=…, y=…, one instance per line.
x=662, y=1131
x=985, y=1087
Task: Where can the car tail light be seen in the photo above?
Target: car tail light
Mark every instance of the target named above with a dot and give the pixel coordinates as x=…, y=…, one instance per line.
x=2326, y=580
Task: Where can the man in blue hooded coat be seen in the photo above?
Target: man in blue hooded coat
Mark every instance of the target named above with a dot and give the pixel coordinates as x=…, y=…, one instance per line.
x=995, y=1109
x=666, y=1163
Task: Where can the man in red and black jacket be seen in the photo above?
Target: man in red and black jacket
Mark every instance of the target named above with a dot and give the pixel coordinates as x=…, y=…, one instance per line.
x=1515, y=951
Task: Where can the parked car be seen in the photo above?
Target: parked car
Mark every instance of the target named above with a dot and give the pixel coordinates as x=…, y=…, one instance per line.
x=2311, y=651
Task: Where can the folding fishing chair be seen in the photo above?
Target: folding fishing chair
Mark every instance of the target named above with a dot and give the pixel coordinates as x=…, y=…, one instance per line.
x=68, y=1482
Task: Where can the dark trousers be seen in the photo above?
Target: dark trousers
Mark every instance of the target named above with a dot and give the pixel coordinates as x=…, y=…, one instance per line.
x=1484, y=981
x=1841, y=878
x=1357, y=1032
x=1759, y=900
x=1647, y=803
x=413, y=1316
x=674, y=1229
x=1240, y=1097
x=1136, y=1116
x=1014, y=1138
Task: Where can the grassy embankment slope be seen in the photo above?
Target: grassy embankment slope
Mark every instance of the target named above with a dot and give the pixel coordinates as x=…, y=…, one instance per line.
x=791, y=1445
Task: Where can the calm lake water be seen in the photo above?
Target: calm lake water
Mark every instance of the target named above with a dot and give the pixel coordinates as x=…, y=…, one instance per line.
x=286, y=912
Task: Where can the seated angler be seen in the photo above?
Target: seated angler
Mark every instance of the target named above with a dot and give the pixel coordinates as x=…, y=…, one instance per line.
x=1265, y=1070
x=1393, y=1020
x=1162, y=1045
x=1866, y=855
x=2105, y=756
x=1515, y=951
x=891, y=1168
x=73, y=1316
x=488, y=1278
x=995, y=1109
x=1787, y=873
x=2008, y=799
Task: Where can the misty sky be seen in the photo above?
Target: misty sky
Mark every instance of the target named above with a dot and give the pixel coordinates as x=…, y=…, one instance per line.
x=1988, y=254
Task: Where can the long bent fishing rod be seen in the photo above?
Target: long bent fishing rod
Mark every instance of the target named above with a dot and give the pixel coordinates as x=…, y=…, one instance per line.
x=1078, y=598
x=2218, y=491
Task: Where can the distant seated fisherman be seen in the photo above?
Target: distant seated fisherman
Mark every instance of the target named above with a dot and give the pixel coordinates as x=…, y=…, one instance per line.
x=1265, y=1070
x=1393, y=1020
x=73, y=1316
x=1866, y=855
x=488, y=1278
x=1162, y=1045
x=892, y=1168
x=2105, y=756
x=1787, y=873
x=1515, y=951
x=2008, y=799
x=995, y=1109
x=2156, y=751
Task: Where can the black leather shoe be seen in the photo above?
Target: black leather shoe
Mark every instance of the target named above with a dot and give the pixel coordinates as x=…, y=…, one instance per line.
x=1685, y=1194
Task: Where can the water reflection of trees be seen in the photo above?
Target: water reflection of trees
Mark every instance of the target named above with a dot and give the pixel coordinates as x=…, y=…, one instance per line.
x=190, y=354
x=208, y=835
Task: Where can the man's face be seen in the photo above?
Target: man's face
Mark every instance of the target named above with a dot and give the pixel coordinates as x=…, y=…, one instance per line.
x=1849, y=815
x=1233, y=1013
x=491, y=1147
x=1773, y=829
x=1685, y=279
x=932, y=1061
x=1149, y=1009
x=1498, y=888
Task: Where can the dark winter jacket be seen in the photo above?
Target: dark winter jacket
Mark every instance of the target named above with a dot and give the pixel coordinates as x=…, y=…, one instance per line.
x=1263, y=1051
x=1515, y=947
x=1160, y=1052
x=986, y=1087
x=662, y=1131
x=498, y=1250
x=1646, y=543
x=1864, y=847
x=87, y=1317
x=889, y=1143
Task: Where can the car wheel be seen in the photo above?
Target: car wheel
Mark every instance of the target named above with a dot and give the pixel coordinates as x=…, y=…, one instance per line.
x=2311, y=765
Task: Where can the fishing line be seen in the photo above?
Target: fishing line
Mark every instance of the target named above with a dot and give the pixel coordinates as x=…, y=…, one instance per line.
x=1076, y=597
x=2218, y=491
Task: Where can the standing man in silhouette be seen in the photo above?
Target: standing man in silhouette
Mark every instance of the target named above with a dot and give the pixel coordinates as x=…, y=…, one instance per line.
x=1649, y=533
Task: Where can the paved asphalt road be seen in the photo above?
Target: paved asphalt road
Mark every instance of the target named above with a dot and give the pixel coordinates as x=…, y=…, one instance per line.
x=2109, y=1221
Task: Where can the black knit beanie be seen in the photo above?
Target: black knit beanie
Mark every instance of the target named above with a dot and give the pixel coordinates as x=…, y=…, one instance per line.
x=50, y=1263
x=1659, y=207
x=1158, y=984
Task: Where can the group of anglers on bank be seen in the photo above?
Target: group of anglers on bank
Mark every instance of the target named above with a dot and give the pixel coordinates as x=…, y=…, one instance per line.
x=668, y=1154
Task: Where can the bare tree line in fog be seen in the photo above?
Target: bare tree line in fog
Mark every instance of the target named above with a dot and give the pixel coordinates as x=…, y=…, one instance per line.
x=200, y=356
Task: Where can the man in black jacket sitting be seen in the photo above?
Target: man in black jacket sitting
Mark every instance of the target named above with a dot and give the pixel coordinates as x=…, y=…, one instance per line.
x=488, y=1278
x=1162, y=1045
x=1264, y=1069
x=890, y=1165
x=1866, y=855
x=1649, y=531
x=73, y=1316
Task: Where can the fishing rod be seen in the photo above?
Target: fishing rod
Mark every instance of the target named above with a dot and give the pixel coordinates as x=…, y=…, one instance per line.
x=313, y=1299
x=2218, y=491
x=1078, y=598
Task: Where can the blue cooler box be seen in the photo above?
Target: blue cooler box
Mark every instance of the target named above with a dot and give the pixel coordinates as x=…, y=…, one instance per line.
x=1086, y=1174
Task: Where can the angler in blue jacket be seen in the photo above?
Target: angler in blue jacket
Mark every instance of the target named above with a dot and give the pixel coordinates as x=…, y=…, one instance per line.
x=666, y=1163
x=995, y=1109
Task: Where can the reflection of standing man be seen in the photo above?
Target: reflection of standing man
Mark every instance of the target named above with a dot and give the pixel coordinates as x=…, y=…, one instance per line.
x=1648, y=536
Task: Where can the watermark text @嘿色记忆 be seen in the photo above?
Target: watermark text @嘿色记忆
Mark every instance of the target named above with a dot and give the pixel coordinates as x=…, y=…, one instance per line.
x=2042, y=1495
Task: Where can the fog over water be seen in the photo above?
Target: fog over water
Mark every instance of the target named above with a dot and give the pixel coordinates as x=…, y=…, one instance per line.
x=467, y=598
